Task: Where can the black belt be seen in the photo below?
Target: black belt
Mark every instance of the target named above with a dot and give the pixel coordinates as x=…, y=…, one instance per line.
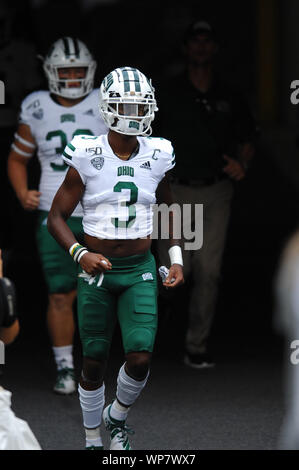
x=207, y=181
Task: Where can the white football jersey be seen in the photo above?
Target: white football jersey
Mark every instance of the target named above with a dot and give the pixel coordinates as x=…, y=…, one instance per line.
x=119, y=194
x=52, y=127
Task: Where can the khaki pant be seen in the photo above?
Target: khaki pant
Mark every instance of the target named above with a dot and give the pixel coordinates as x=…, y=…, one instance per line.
x=204, y=263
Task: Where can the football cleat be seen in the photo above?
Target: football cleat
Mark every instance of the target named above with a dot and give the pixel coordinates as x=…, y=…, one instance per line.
x=118, y=431
x=65, y=381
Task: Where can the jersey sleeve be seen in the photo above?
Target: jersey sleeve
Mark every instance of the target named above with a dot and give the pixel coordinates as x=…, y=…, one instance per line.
x=170, y=161
x=24, y=116
x=72, y=156
x=166, y=157
x=163, y=156
x=29, y=106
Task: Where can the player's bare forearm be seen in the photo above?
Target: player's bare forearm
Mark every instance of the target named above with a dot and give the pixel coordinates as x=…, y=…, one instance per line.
x=165, y=195
x=172, y=240
x=59, y=229
x=64, y=203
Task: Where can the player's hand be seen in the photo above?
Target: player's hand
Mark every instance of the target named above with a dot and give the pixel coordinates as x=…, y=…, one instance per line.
x=233, y=169
x=30, y=200
x=175, y=276
x=94, y=263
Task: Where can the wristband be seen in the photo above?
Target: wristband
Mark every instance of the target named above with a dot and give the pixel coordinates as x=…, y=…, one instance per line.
x=82, y=252
x=76, y=250
x=175, y=255
x=73, y=247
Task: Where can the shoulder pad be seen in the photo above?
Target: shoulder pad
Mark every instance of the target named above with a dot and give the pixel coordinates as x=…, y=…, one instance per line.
x=81, y=142
x=34, y=100
x=33, y=106
x=160, y=143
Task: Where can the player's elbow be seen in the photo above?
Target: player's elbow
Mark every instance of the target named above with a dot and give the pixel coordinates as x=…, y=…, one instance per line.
x=11, y=162
x=52, y=220
x=15, y=163
x=55, y=217
x=15, y=159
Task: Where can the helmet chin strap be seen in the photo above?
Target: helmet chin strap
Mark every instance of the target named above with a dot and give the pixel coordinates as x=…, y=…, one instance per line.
x=70, y=93
x=75, y=92
x=123, y=129
x=148, y=131
x=120, y=124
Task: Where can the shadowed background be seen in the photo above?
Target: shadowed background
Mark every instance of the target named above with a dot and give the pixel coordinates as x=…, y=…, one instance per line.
x=259, y=50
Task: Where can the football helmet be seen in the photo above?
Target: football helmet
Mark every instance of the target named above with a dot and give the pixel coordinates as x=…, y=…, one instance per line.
x=64, y=53
x=127, y=101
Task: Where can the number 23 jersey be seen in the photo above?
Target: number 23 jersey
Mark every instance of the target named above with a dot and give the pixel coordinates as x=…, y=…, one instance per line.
x=119, y=194
x=52, y=127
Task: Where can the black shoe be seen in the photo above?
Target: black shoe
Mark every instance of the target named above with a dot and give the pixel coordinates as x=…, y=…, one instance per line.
x=198, y=361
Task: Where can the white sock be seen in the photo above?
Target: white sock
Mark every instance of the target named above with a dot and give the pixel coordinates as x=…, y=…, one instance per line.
x=63, y=356
x=92, y=404
x=119, y=412
x=128, y=390
x=93, y=437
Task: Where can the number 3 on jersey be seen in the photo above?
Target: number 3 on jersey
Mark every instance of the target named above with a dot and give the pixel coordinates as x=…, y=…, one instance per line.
x=132, y=209
x=64, y=140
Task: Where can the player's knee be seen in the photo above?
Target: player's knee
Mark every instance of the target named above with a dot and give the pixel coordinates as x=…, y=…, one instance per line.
x=138, y=349
x=59, y=284
x=93, y=370
x=59, y=301
x=96, y=348
x=140, y=339
x=137, y=364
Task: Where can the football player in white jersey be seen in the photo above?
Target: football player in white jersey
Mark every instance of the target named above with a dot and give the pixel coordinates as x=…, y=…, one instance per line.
x=117, y=177
x=48, y=120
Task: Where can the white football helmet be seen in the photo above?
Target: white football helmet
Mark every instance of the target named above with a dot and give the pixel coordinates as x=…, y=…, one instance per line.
x=127, y=102
x=69, y=52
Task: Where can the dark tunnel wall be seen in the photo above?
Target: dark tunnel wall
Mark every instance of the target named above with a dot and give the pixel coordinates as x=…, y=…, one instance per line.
x=149, y=37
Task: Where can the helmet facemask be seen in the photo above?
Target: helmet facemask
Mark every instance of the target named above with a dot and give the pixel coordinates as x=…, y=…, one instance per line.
x=131, y=116
x=62, y=87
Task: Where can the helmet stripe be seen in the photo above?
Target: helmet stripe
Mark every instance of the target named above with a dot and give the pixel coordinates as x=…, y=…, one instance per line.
x=66, y=47
x=126, y=79
x=137, y=82
x=77, y=50
x=108, y=81
x=71, y=46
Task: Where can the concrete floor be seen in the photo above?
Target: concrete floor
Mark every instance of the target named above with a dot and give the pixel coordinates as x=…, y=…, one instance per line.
x=236, y=405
